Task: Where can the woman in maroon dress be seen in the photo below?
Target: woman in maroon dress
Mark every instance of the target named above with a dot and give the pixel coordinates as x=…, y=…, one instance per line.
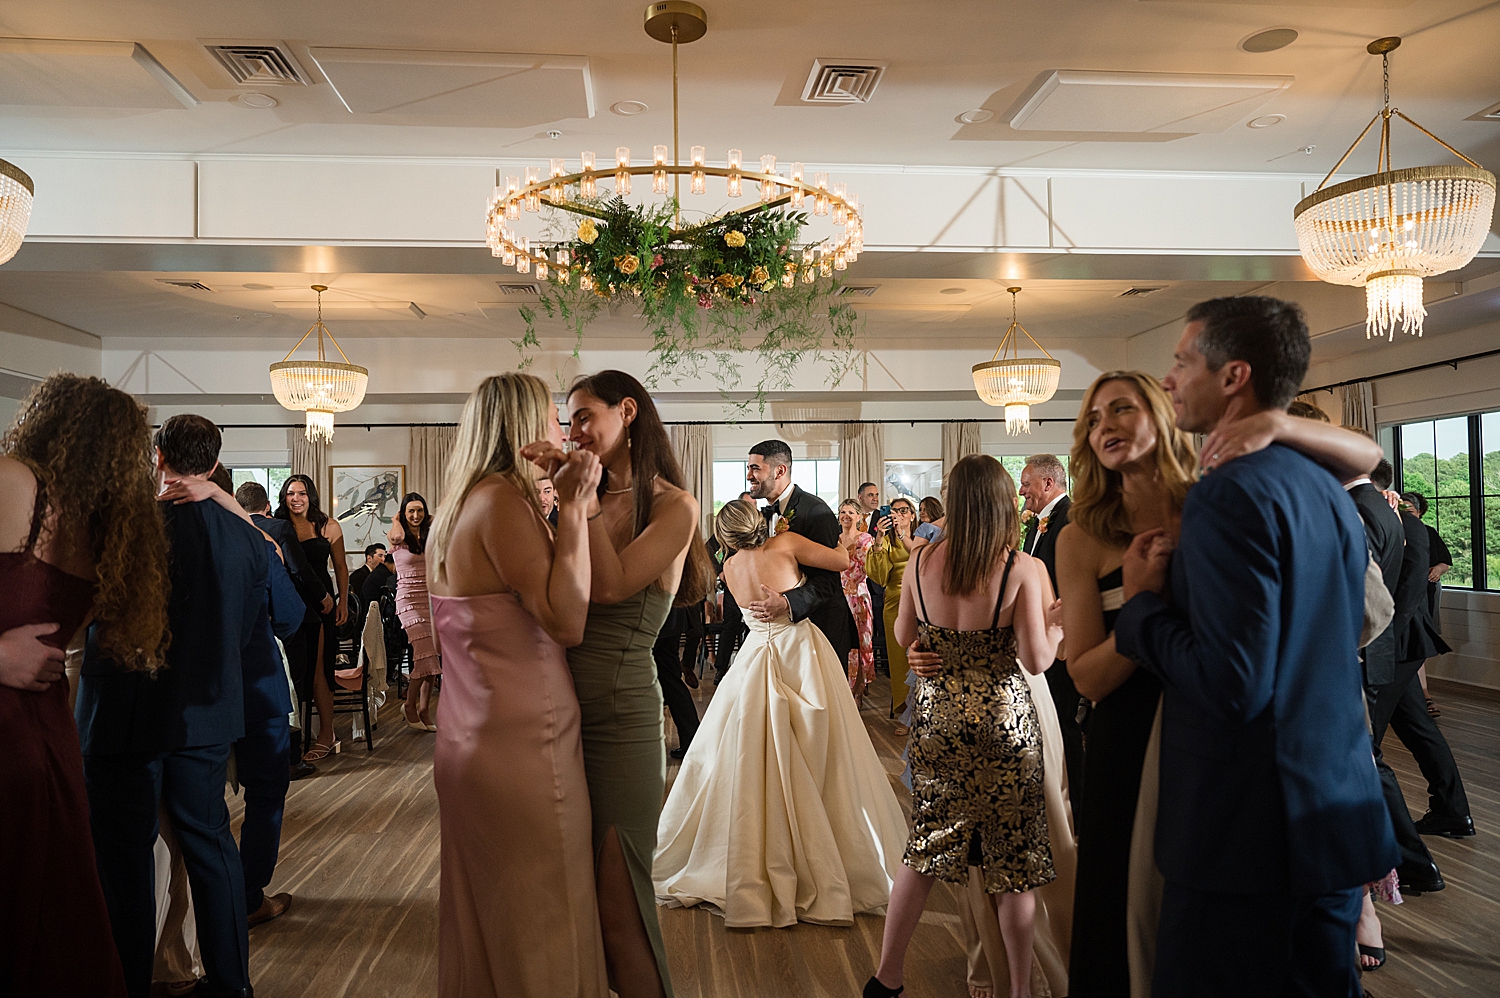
x=79, y=537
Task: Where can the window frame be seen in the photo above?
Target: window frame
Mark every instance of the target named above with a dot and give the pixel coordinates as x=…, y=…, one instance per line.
x=1478, y=546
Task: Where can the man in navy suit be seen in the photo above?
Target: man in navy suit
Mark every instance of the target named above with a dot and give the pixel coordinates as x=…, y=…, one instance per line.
x=164, y=740
x=1271, y=819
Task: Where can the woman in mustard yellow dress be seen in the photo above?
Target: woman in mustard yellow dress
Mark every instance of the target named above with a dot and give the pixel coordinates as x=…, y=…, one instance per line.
x=885, y=564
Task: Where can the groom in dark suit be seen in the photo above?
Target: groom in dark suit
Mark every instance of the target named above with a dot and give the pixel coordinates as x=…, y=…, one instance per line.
x=164, y=740
x=1271, y=819
x=821, y=598
x=1044, y=486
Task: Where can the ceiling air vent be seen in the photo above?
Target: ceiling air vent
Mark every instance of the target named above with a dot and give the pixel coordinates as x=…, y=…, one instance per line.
x=260, y=64
x=518, y=290
x=858, y=290
x=841, y=82
x=1138, y=292
x=189, y=285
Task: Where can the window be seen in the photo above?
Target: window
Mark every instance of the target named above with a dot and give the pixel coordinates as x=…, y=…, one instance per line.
x=272, y=478
x=821, y=478
x=1455, y=463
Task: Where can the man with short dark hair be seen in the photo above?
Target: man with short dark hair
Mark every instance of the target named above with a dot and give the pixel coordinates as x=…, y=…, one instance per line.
x=1044, y=486
x=1270, y=819
x=747, y=497
x=546, y=494
x=374, y=557
x=164, y=740
x=821, y=598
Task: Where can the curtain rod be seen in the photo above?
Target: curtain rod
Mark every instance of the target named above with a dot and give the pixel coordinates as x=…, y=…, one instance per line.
x=673, y=422
x=1405, y=370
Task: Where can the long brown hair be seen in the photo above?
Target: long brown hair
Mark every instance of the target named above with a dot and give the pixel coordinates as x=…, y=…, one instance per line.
x=1098, y=496
x=983, y=522
x=505, y=413
x=651, y=457
x=89, y=446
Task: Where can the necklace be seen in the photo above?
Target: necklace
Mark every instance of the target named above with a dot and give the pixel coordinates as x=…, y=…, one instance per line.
x=618, y=492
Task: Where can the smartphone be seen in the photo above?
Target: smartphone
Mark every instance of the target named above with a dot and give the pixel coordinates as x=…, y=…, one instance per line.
x=879, y=515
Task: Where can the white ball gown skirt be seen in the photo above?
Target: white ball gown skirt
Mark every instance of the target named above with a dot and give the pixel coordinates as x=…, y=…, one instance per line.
x=781, y=811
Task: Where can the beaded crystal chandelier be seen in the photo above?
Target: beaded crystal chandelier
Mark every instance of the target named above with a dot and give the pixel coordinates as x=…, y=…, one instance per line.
x=578, y=192
x=319, y=387
x=16, y=192
x=1016, y=382
x=1388, y=230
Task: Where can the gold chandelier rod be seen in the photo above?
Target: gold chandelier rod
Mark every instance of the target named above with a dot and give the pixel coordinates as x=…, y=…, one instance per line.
x=676, y=159
x=1010, y=334
x=1383, y=48
x=321, y=329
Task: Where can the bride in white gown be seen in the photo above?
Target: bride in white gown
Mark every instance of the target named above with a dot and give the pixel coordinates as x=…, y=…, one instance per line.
x=781, y=811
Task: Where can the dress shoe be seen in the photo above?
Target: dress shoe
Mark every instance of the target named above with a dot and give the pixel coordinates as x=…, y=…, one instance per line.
x=208, y=989
x=1452, y=828
x=1420, y=881
x=678, y=753
x=272, y=906
x=303, y=770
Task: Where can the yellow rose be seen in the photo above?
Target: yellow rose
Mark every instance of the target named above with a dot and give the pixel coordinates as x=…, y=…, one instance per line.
x=729, y=281
x=735, y=238
x=588, y=232
x=759, y=275
x=627, y=264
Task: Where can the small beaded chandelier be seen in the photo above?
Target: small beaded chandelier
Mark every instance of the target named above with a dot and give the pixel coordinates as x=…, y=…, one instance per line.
x=1016, y=382
x=16, y=192
x=319, y=387
x=1386, y=231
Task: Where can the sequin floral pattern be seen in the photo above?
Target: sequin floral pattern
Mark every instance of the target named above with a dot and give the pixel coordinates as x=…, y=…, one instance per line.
x=976, y=758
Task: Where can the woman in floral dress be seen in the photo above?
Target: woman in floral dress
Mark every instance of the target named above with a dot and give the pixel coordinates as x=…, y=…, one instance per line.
x=861, y=662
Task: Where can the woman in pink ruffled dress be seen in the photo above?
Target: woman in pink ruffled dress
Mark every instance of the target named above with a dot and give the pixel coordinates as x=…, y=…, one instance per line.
x=408, y=539
x=861, y=662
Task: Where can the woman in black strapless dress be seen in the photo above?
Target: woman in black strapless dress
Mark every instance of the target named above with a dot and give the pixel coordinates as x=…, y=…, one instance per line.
x=322, y=542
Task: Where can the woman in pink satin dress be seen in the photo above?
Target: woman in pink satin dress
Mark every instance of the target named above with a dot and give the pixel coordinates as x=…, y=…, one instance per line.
x=517, y=914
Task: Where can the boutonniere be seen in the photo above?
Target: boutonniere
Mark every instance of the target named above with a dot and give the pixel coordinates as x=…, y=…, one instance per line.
x=1027, y=516
x=1041, y=525
x=784, y=522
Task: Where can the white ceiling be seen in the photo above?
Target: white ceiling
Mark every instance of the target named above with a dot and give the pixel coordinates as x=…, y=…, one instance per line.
x=742, y=83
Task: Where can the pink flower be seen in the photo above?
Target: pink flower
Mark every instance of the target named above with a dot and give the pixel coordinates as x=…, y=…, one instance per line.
x=656, y=261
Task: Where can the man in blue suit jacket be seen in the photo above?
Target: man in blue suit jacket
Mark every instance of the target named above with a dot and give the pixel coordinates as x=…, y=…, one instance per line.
x=1271, y=818
x=164, y=740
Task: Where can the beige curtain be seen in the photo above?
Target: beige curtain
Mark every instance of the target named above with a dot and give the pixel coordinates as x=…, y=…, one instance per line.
x=427, y=465
x=959, y=441
x=1359, y=406
x=310, y=458
x=861, y=458
x=694, y=447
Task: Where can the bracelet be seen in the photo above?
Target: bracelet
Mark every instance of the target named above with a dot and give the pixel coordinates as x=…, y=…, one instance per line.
x=596, y=516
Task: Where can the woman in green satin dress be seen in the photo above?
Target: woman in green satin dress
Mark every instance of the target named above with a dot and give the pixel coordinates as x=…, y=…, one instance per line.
x=645, y=551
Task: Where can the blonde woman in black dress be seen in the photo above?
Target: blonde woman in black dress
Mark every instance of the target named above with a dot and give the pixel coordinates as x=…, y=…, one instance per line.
x=976, y=750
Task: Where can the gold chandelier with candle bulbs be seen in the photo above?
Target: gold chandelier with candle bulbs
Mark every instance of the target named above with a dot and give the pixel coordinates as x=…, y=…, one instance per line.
x=677, y=22
x=1017, y=382
x=319, y=387
x=1386, y=231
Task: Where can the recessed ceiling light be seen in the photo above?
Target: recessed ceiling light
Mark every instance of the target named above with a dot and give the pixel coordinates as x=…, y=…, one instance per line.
x=257, y=101
x=952, y=291
x=1265, y=121
x=629, y=107
x=978, y=116
x=256, y=287
x=1269, y=40
x=263, y=315
x=458, y=315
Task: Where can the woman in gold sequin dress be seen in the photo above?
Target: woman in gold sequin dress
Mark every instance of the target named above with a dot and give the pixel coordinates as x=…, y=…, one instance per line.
x=976, y=750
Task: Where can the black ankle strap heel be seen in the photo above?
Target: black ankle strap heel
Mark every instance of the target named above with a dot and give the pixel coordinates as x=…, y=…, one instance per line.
x=874, y=989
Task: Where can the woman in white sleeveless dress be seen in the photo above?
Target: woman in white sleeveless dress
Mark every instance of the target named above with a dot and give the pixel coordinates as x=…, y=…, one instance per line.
x=781, y=811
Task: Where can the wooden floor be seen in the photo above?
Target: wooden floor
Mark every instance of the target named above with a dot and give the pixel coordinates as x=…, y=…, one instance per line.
x=360, y=854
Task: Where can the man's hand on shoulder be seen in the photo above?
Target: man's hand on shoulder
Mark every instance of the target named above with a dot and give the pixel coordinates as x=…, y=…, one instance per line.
x=1146, y=563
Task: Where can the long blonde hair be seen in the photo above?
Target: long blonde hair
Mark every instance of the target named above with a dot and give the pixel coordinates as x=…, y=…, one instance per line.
x=1098, y=496
x=983, y=522
x=505, y=413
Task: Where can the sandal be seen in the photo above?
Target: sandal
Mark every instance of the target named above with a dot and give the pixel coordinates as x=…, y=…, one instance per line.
x=319, y=751
x=1376, y=953
x=902, y=731
x=1432, y=708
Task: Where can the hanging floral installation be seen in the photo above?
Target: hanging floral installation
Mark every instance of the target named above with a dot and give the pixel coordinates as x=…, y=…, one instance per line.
x=711, y=295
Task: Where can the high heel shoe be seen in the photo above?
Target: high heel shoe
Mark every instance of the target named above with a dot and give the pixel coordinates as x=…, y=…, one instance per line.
x=874, y=989
x=320, y=751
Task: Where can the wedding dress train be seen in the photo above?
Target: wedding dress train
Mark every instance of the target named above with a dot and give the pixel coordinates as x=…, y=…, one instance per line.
x=781, y=811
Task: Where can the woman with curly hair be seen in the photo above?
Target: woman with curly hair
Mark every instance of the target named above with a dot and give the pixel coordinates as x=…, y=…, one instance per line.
x=80, y=537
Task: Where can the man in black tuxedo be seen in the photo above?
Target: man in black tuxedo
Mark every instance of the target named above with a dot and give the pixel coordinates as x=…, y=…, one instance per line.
x=821, y=598
x=164, y=741
x=253, y=499
x=1399, y=704
x=1044, y=486
x=374, y=558
x=1417, y=872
